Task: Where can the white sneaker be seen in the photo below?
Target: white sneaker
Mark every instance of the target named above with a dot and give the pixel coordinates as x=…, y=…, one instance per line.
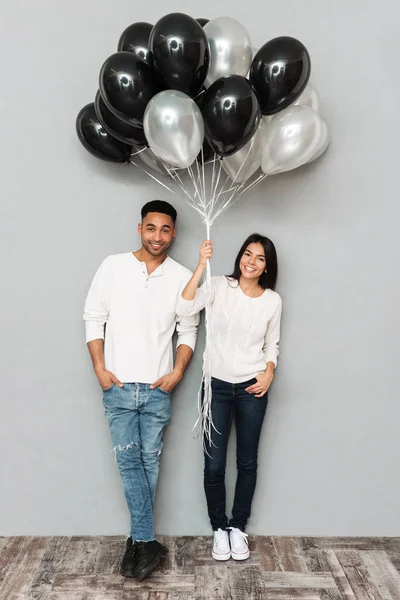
x=221, y=549
x=239, y=544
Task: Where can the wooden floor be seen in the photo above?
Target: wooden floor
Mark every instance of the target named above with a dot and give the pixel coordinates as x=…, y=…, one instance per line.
x=86, y=568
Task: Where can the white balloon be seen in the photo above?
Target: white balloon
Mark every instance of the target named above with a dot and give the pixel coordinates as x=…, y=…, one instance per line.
x=241, y=165
x=309, y=97
x=292, y=138
x=174, y=128
x=324, y=142
x=230, y=49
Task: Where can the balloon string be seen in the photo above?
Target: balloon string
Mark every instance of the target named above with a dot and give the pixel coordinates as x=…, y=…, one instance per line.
x=138, y=151
x=153, y=177
x=199, y=94
x=246, y=157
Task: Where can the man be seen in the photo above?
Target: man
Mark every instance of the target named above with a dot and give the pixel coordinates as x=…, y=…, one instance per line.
x=130, y=319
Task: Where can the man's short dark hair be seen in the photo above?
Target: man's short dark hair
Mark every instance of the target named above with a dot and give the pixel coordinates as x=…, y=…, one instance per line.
x=159, y=206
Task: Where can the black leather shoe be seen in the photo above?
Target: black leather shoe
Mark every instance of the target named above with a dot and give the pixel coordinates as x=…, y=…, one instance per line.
x=130, y=560
x=149, y=555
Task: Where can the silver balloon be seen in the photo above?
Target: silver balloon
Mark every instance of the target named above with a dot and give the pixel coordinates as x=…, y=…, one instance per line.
x=324, y=141
x=308, y=98
x=174, y=128
x=230, y=49
x=246, y=161
x=152, y=161
x=292, y=138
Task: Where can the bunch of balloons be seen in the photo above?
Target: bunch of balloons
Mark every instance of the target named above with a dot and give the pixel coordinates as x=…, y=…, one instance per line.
x=189, y=89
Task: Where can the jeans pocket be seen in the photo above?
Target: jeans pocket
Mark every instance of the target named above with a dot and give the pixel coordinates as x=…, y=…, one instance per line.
x=109, y=388
x=164, y=392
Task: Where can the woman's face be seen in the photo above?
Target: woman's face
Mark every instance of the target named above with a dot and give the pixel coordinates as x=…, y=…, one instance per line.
x=252, y=263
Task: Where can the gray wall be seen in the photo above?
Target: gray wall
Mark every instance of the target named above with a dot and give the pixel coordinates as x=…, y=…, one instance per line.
x=330, y=444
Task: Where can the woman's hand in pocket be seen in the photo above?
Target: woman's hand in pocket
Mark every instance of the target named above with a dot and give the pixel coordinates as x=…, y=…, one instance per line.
x=261, y=387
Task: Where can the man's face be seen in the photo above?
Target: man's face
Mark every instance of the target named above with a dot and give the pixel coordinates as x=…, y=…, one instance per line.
x=157, y=232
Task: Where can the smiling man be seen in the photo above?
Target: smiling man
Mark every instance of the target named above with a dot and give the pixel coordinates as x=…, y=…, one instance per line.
x=130, y=318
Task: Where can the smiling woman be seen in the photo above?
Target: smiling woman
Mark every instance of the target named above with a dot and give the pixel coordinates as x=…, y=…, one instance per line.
x=256, y=261
x=245, y=313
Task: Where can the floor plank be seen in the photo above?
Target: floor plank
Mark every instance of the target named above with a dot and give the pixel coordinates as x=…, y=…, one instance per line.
x=343, y=543
x=291, y=594
x=245, y=583
x=3, y=542
x=392, y=547
x=157, y=582
x=10, y=553
x=339, y=576
x=383, y=573
x=357, y=574
x=80, y=557
x=48, y=568
x=211, y=583
x=90, y=585
x=289, y=554
x=298, y=580
x=185, y=553
x=269, y=560
x=109, y=556
x=18, y=579
x=330, y=594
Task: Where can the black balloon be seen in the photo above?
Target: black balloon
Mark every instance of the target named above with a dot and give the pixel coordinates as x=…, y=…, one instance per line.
x=127, y=84
x=96, y=140
x=203, y=22
x=135, y=39
x=179, y=52
x=122, y=131
x=208, y=153
x=231, y=114
x=279, y=73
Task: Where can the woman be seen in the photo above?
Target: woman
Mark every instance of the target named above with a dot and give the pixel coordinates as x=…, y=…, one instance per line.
x=246, y=315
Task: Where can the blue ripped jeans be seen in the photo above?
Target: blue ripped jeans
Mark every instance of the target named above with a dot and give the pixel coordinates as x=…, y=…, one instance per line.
x=137, y=417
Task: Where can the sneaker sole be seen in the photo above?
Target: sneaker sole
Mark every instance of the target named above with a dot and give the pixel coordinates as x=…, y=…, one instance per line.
x=128, y=574
x=240, y=556
x=221, y=556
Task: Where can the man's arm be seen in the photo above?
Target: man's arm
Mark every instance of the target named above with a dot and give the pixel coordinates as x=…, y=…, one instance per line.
x=186, y=328
x=168, y=382
x=96, y=316
x=106, y=378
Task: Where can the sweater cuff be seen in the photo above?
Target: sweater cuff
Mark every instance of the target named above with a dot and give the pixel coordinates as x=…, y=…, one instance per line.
x=271, y=357
x=188, y=339
x=94, y=331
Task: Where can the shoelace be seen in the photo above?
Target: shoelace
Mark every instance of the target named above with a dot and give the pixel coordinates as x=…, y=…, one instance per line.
x=140, y=548
x=241, y=534
x=220, y=538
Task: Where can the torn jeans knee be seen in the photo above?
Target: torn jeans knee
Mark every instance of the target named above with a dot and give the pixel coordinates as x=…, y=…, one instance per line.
x=152, y=455
x=121, y=448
